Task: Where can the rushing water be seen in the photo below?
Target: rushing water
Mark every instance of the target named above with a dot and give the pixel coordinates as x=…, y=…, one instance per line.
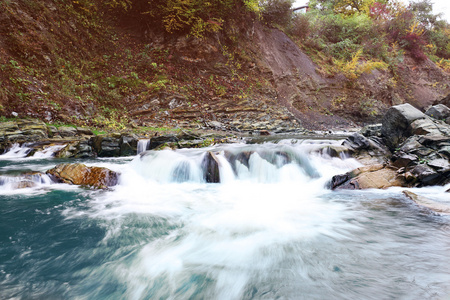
x=269, y=230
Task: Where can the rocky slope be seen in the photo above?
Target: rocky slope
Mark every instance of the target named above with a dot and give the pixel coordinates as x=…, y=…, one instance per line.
x=59, y=66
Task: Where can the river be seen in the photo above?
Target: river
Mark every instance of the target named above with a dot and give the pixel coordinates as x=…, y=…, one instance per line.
x=269, y=230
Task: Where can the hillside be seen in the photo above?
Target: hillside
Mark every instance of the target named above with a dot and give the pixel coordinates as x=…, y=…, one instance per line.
x=79, y=62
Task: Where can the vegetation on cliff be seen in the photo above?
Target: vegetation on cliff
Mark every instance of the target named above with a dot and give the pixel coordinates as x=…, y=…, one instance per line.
x=118, y=63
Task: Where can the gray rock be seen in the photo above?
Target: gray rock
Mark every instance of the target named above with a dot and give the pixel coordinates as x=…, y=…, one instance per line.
x=84, y=131
x=403, y=160
x=357, y=142
x=371, y=130
x=66, y=131
x=158, y=141
x=396, y=124
x=439, y=111
x=426, y=175
x=423, y=127
x=210, y=165
x=106, y=145
x=440, y=164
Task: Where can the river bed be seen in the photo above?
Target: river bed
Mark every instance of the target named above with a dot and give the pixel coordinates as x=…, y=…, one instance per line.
x=269, y=230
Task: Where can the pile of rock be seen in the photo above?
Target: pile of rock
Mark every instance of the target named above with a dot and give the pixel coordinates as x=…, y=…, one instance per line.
x=418, y=150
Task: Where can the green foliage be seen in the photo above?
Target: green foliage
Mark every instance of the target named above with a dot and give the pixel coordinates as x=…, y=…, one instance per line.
x=277, y=12
x=193, y=17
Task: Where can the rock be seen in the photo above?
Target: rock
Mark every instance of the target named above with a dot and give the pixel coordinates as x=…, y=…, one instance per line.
x=403, y=160
x=264, y=132
x=66, y=131
x=84, y=131
x=128, y=144
x=158, y=141
x=423, y=127
x=106, y=145
x=80, y=174
x=210, y=165
x=357, y=142
x=375, y=176
x=396, y=124
x=371, y=130
x=77, y=149
x=426, y=175
x=20, y=131
x=428, y=203
x=441, y=165
x=216, y=125
x=439, y=111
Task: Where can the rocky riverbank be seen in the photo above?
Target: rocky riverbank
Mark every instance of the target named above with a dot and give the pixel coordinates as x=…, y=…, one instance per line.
x=409, y=149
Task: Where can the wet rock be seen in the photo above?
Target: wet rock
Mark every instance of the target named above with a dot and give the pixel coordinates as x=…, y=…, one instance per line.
x=23, y=184
x=396, y=124
x=357, y=142
x=128, y=144
x=158, y=141
x=77, y=149
x=106, y=145
x=428, y=203
x=375, y=176
x=80, y=174
x=210, y=165
x=439, y=111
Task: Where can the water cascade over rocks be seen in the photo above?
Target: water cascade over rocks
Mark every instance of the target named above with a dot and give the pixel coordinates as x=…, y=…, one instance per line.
x=230, y=221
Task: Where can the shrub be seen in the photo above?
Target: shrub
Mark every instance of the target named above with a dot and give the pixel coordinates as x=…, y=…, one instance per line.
x=277, y=12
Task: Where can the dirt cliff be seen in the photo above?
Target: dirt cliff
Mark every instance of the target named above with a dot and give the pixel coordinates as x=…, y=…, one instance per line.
x=60, y=66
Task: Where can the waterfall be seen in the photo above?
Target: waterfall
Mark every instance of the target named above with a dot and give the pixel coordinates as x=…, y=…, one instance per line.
x=16, y=151
x=142, y=145
x=8, y=183
x=267, y=163
x=48, y=151
x=22, y=151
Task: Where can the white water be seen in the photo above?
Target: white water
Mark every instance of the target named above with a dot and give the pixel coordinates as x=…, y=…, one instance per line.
x=269, y=230
x=17, y=151
x=142, y=145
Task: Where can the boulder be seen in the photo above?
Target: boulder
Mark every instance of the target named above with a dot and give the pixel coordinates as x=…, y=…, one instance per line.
x=77, y=149
x=403, y=160
x=439, y=111
x=128, y=144
x=396, y=124
x=357, y=142
x=106, y=145
x=80, y=174
x=425, y=175
x=210, y=165
x=424, y=127
x=158, y=141
x=375, y=176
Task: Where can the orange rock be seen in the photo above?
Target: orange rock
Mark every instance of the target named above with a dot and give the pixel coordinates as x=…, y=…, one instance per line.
x=80, y=174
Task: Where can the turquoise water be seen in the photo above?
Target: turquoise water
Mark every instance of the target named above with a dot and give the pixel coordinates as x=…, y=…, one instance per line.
x=264, y=233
